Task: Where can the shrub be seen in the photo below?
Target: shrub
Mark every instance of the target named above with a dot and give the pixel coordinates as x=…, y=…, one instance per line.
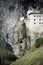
x=39, y=42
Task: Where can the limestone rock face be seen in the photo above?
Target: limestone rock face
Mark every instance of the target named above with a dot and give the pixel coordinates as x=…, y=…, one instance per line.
x=14, y=32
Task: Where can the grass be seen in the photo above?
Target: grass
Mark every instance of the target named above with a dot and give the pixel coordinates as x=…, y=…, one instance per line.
x=1, y=26
x=1, y=42
x=33, y=57
x=1, y=49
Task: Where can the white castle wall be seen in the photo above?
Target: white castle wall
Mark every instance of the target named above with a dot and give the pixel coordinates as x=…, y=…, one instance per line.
x=34, y=25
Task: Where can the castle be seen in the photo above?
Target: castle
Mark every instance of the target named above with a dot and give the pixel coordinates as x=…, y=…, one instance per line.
x=34, y=26
x=25, y=32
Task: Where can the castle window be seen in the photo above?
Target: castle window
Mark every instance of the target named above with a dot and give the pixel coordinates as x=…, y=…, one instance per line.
x=39, y=22
x=37, y=15
x=39, y=19
x=34, y=15
x=42, y=22
x=40, y=16
x=34, y=19
x=34, y=23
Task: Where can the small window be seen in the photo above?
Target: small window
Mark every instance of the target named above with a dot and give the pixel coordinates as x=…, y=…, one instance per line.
x=39, y=22
x=34, y=15
x=39, y=19
x=34, y=23
x=34, y=19
x=37, y=15
x=42, y=22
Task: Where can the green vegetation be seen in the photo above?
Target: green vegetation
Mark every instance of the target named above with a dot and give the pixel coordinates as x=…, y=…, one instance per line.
x=1, y=49
x=1, y=25
x=33, y=57
x=1, y=43
x=39, y=42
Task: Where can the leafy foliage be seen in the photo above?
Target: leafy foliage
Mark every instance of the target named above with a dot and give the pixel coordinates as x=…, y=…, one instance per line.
x=1, y=43
x=39, y=42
